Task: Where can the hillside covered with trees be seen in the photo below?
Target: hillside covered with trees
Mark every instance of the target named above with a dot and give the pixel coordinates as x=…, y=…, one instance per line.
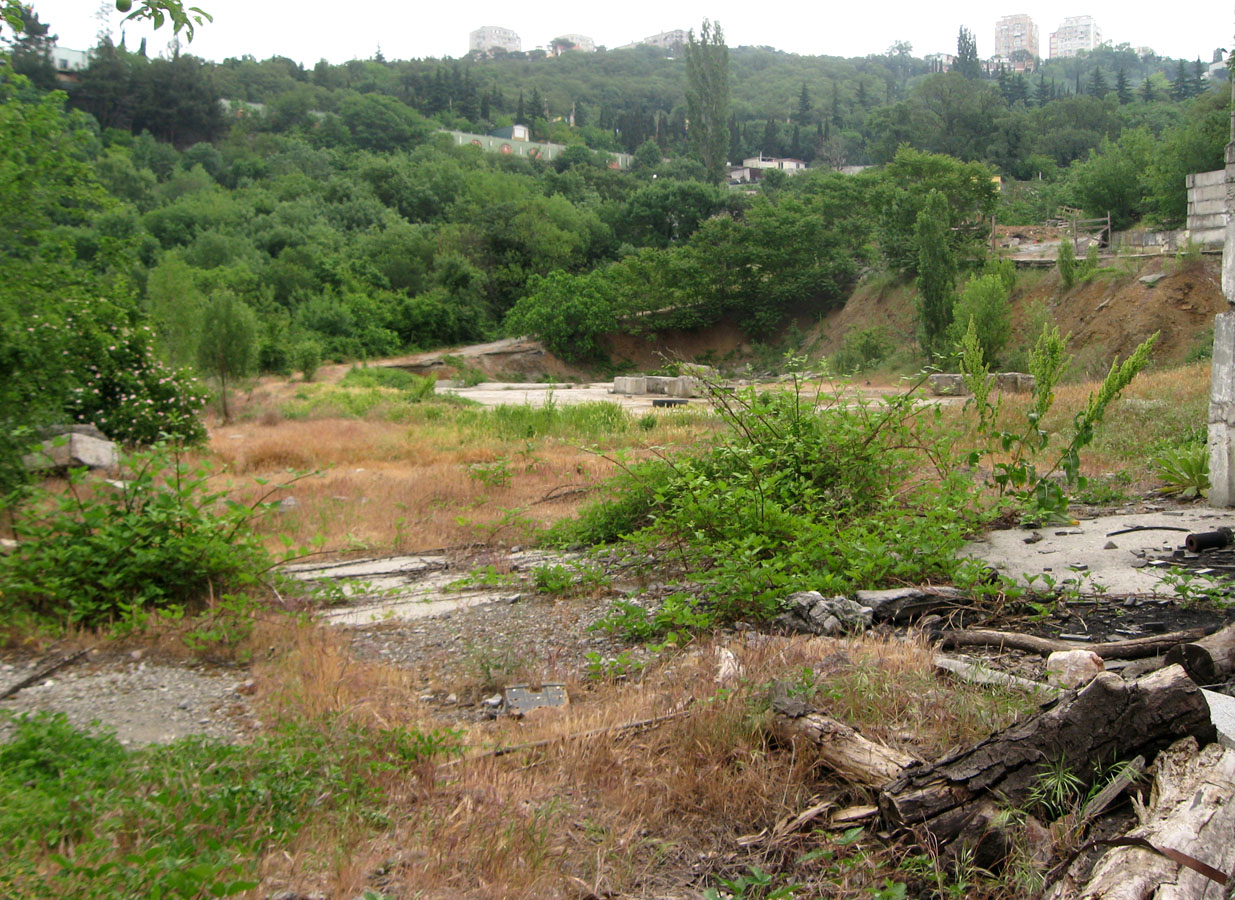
x=319, y=213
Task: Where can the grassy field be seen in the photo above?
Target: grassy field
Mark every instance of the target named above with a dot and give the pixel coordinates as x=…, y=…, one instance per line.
x=355, y=788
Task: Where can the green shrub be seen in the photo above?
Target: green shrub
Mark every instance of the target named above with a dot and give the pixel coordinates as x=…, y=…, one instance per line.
x=417, y=387
x=1067, y=262
x=99, y=554
x=861, y=350
x=308, y=358
x=1185, y=470
x=797, y=495
x=983, y=305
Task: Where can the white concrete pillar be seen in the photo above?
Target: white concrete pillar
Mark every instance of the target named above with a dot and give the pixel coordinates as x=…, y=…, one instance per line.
x=1222, y=379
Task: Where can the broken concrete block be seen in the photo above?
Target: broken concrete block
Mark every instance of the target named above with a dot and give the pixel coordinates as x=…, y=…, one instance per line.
x=683, y=386
x=1073, y=668
x=659, y=384
x=74, y=450
x=948, y=385
x=1222, y=714
x=630, y=384
x=809, y=612
x=1014, y=382
x=522, y=698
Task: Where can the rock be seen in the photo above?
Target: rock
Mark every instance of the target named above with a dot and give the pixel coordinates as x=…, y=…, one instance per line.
x=948, y=385
x=1073, y=668
x=728, y=669
x=1151, y=280
x=451, y=699
x=494, y=702
x=74, y=450
x=809, y=612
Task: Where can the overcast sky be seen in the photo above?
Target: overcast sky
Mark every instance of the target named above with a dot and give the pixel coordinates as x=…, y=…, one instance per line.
x=309, y=30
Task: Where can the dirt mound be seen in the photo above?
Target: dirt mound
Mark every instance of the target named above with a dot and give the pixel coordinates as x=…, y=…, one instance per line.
x=1107, y=316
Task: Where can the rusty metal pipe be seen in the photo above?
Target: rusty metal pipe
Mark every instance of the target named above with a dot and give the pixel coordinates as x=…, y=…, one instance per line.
x=1209, y=540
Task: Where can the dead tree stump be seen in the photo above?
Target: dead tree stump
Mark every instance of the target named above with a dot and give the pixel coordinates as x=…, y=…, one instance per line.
x=1208, y=660
x=1108, y=720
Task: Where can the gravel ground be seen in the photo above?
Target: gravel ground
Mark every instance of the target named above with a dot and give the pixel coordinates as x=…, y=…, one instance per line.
x=142, y=702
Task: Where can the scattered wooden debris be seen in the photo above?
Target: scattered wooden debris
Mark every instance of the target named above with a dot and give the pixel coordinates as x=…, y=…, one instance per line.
x=1209, y=660
x=1182, y=849
x=976, y=673
x=41, y=673
x=1135, y=648
x=954, y=799
x=838, y=746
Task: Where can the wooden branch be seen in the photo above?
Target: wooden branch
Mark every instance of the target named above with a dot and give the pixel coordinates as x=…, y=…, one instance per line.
x=534, y=745
x=1182, y=849
x=1107, y=720
x=839, y=747
x=979, y=674
x=42, y=673
x=1136, y=648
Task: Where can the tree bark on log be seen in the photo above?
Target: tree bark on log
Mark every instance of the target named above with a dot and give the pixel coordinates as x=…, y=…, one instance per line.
x=839, y=747
x=1106, y=721
x=1136, y=648
x=1192, y=813
x=1208, y=660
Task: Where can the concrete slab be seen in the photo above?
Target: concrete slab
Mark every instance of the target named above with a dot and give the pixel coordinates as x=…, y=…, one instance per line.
x=415, y=587
x=1222, y=714
x=1085, y=552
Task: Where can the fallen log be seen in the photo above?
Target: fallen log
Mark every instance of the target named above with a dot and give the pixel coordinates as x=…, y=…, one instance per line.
x=41, y=673
x=1209, y=660
x=1135, y=648
x=1108, y=720
x=1182, y=849
x=837, y=746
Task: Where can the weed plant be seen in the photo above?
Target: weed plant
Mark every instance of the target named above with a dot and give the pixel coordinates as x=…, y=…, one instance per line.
x=802, y=492
x=116, y=553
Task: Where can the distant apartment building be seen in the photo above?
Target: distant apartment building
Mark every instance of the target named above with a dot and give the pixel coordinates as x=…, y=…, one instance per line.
x=940, y=62
x=673, y=41
x=488, y=38
x=1016, y=33
x=1077, y=33
x=567, y=42
x=752, y=169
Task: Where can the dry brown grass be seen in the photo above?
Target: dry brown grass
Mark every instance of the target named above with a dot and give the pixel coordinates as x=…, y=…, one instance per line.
x=650, y=812
x=392, y=487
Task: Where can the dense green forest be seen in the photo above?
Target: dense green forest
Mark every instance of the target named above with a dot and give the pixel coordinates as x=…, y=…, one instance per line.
x=152, y=204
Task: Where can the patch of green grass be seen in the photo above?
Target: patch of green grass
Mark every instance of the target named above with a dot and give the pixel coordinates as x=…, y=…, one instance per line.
x=81, y=816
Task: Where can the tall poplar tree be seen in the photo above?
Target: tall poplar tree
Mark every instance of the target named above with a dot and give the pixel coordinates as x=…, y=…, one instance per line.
x=936, y=273
x=707, y=97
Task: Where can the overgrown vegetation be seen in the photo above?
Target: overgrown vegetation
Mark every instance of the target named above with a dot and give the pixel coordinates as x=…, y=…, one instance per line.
x=160, y=542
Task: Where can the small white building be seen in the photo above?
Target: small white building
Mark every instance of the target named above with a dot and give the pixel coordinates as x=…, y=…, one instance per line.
x=786, y=164
x=66, y=60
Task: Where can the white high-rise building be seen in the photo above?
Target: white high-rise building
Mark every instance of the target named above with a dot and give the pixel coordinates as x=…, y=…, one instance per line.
x=488, y=38
x=1077, y=33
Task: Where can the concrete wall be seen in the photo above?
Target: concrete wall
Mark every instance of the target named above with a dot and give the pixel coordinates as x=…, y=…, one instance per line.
x=1207, y=207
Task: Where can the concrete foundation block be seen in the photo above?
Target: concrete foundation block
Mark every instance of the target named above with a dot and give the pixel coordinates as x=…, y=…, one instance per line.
x=683, y=386
x=630, y=384
x=948, y=385
x=72, y=451
x=659, y=384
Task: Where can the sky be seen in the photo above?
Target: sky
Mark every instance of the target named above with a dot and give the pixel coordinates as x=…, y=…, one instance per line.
x=310, y=30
